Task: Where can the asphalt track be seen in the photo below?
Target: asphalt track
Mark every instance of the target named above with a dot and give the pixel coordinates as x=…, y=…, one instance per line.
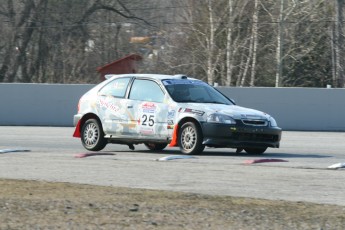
x=304, y=175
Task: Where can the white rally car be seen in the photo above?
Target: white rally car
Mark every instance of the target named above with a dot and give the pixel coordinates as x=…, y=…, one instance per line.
x=161, y=110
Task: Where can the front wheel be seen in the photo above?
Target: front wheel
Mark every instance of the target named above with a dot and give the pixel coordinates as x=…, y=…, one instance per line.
x=190, y=139
x=92, y=136
x=255, y=150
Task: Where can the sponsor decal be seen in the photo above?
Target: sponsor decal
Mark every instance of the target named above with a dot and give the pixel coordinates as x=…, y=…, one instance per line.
x=193, y=111
x=171, y=114
x=108, y=105
x=119, y=85
x=147, y=118
x=183, y=82
x=146, y=131
x=149, y=107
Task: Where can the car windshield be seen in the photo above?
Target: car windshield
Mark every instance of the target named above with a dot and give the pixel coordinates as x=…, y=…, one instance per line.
x=194, y=91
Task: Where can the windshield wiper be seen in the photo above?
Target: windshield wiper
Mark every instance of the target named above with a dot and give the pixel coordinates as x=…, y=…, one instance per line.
x=189, y=101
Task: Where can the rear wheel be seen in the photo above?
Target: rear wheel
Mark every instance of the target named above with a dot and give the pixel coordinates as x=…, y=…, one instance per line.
x=156, y=146
x=92, y=136
x=255, y=150
x=190, y=139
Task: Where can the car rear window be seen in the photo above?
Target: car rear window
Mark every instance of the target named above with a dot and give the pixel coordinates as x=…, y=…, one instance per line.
x=115, y=88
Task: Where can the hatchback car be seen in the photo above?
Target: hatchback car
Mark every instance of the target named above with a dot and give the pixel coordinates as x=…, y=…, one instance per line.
x=175, y=110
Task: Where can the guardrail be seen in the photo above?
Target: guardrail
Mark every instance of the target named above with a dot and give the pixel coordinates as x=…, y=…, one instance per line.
x=308, y=109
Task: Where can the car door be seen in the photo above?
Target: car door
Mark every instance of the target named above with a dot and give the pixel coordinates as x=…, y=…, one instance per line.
x=112, y=106
x=148, y=110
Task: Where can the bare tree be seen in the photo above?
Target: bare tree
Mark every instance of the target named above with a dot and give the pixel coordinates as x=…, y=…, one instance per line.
x=232, y=42
x=228, y=45
x=48, y=41
x=255, y=41
x=253, y=44
x=280, y=44
x=339, y=43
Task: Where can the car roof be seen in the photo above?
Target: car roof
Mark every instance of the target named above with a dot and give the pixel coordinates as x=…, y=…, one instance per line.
x=152, y=76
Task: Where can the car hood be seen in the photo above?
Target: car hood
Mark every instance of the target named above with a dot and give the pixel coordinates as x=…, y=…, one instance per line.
x=236, y=112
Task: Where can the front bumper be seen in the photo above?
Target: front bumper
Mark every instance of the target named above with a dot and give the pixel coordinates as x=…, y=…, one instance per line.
x=240, y=136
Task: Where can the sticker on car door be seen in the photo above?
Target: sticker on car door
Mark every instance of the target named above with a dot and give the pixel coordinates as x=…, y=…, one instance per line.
x=147, y=118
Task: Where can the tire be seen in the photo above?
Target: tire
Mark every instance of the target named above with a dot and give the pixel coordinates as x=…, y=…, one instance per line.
x=255, y=150
x=92, y=136
x=190, y=139
x=155, y=146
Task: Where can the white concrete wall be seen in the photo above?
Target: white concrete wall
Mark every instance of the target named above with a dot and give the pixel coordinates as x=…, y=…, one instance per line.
x=39, y=104
x=294, y=108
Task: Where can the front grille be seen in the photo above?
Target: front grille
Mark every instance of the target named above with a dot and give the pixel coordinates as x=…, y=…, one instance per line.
x=256, y=137
x=254, y=122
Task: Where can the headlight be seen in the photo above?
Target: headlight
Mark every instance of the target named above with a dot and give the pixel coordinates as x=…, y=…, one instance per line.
x=220, y=118
x=273, y=122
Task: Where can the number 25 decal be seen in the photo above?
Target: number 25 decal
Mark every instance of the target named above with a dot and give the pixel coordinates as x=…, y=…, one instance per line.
x=148, y=120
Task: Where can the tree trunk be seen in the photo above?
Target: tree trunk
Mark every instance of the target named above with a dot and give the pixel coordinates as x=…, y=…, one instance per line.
x=279, y=49
x=334, y=58
x=339, y=43
x=250, y=54
x=210, y=46
x=248, y=61
x=255, y=42
x=228, y=47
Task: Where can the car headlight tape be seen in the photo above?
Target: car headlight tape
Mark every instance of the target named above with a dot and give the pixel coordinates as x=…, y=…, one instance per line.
x=220, y=118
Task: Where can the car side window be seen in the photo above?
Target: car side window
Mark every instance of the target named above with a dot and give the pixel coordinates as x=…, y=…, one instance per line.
x=116, y=88
x=146, y=90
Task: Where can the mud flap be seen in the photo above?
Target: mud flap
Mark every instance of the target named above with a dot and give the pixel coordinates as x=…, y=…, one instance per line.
x=174, y=137
x=77, y=130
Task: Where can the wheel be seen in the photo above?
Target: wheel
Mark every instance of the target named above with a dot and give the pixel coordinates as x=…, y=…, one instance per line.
x=190, y=139
x=255, y=150
x=155, y=146
x=92, y=136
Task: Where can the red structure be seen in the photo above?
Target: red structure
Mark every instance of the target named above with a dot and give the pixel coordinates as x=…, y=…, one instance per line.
x=128, y=64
